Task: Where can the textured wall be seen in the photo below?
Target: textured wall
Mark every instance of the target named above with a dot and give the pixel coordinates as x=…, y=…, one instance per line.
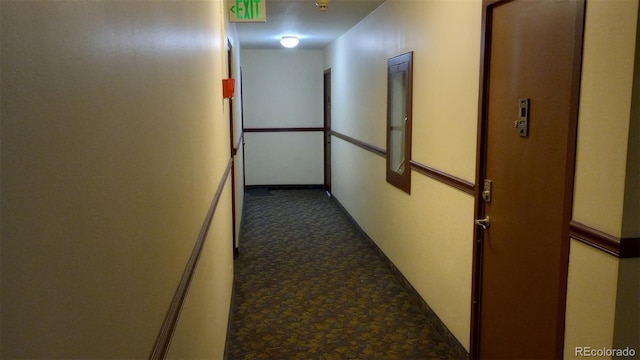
x=428, y=235
x=283, y=89
x=113, y=141
x=601, y=169
x=605, y=108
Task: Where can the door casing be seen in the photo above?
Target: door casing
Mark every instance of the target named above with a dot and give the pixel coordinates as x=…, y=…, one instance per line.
x=233, y=151
x=483, y=141
x=327, y=130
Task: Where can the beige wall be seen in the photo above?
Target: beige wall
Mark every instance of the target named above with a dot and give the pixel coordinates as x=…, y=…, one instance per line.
x=605, y=107
x=283, y=89
x=604, y=168
x=428, y=235
x=445, y=38
x=591, y=299
x=201, y=330
x=284, y=158
x=114, y=137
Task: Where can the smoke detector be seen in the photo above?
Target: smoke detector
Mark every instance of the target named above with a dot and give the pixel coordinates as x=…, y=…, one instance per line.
x=323, y=5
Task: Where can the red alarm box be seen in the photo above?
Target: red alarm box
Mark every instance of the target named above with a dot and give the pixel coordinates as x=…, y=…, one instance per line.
x=228, y=88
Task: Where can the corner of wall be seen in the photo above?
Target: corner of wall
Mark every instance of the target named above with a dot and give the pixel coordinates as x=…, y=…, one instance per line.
x=627, y=328
x=631, y=211
x=601, y=301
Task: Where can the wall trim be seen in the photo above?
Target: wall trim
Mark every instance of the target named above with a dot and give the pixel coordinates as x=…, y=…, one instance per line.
x=460, y=184
x=286, y=187
x=240, y=142
x=612, y=245
x=361, y=144
x=168, y=328
x=282, y=129
x=438, y=175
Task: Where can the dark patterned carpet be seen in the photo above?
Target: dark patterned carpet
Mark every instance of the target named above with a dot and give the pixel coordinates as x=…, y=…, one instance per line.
x=309, y=286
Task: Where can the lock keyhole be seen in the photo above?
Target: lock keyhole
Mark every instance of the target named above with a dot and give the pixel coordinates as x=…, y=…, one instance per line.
x=522, y=124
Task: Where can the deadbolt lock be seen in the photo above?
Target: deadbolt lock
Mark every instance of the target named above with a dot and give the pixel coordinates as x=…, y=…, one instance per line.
x=486, y=191
x=522, y=124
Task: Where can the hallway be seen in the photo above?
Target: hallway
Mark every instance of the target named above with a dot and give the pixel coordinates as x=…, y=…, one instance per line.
x=308, y=285
x=124, y=162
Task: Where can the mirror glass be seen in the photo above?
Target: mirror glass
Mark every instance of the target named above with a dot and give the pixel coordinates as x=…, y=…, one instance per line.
x=399, y=96
x=397, y=121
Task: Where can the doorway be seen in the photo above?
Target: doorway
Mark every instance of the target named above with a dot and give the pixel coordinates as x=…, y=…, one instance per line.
x=527, y=137
x=327, y=131
x=233, y=151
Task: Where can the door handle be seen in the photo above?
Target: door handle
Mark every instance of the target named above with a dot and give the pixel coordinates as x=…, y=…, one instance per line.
x=484, y=223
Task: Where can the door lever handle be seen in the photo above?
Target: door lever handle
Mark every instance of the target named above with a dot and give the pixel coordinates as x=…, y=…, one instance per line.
x=484, y=223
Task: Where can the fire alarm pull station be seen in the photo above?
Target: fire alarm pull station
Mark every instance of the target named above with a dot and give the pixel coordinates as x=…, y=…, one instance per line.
x=228, y=88
x=522, y=124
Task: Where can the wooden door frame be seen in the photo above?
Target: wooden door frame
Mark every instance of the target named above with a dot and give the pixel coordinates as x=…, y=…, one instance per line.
x=244, y=169
x=233, y=151
x=482, y=141
x=327, y=129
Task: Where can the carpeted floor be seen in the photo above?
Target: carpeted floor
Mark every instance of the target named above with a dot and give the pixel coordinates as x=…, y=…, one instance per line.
x=309, y=286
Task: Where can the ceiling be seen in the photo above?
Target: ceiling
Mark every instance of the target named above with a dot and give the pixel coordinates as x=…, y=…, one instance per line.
x=302, y=18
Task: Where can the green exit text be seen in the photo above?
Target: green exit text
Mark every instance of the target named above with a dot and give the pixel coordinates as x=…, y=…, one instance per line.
x=246, y=9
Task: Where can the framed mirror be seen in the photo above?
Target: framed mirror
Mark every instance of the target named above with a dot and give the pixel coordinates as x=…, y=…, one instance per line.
x=399, y=102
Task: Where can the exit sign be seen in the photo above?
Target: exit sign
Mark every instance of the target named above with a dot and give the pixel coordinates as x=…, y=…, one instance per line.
x=248, y=11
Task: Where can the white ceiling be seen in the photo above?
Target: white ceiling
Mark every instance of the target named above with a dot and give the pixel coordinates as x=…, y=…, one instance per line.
x=301, y=18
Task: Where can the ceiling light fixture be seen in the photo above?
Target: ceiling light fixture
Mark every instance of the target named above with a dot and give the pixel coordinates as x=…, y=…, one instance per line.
x=289, y=41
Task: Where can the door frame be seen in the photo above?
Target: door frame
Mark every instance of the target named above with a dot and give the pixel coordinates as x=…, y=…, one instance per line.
x=327, y=129
x=233, y=152
x=482, y=141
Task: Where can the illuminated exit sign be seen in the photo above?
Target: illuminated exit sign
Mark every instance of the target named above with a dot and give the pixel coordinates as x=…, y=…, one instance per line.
x=248, y=11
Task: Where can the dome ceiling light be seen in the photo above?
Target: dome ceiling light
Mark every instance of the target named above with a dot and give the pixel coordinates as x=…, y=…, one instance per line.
x=289, y=41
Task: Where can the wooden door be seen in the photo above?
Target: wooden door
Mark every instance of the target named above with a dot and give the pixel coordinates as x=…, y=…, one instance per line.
x=327, y=131
x=531, y=73
x=233, y=151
